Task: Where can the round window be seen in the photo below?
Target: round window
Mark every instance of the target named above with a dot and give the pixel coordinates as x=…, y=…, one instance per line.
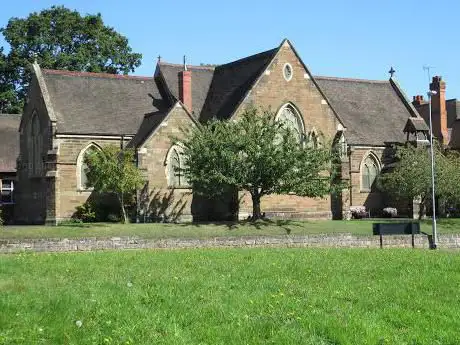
x=287, y=71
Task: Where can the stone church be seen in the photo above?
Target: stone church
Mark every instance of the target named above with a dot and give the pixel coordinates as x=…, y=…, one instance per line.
x=69, y=114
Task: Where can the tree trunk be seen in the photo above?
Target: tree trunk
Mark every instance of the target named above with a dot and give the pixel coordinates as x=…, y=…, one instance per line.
x=256, y=214
x=123, y=211
x=422, y=210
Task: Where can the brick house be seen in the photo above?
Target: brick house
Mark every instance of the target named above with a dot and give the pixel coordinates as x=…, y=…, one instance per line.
x=445, y=114
x=69, y=113
x=9, y=150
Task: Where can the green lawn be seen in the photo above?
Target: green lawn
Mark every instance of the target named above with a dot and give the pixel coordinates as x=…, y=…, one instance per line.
x=189, y=230
x=237, y=296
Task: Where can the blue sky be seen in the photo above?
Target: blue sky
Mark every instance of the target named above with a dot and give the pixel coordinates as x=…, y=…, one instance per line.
x=354, y=38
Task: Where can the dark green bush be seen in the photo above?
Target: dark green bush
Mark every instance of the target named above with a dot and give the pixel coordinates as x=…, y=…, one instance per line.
x=85, y=213
x=113, y=218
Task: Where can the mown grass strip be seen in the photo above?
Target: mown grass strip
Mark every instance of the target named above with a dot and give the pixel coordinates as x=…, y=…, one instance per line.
x=202, y=231
x=239, y=296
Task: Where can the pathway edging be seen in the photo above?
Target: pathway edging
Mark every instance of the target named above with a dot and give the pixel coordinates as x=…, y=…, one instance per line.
x=325, y=240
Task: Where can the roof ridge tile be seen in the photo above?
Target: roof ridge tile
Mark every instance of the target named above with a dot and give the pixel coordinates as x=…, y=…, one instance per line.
x=211, y=68
x=352, y=79
x=235, y=62
x=93, y=74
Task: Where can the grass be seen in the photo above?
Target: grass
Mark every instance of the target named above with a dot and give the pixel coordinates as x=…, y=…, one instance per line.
x=189, y=230
x=237, y=296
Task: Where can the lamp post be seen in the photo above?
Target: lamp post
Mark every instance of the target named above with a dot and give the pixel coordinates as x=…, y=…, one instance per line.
x=434, y=240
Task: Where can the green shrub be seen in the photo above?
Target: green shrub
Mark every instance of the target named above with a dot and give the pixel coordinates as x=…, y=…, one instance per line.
x=113, y=218
x=85, y=213
x=71, y=221
x=1, y=219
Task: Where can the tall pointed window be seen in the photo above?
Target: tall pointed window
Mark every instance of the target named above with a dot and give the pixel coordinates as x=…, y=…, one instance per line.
x=174, y=167
x=342, y=146
x=36, y=149
x=83, y=168
x=369, y=172
x=291, y=119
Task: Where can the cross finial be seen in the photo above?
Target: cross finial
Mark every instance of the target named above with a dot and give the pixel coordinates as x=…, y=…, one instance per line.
x=159, y=58
x=392, y=71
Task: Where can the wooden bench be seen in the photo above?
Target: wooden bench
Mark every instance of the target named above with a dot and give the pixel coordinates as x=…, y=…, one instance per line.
x=396, y=228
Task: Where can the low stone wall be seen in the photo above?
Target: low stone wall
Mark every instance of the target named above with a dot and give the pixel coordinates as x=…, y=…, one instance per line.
x=335, y=241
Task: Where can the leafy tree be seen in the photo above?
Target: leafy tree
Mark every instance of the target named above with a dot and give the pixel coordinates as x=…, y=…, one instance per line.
x=59, y=38
x=448, y=178
x=255, y=154
x=113, y=171
x=411, y=176
x=7, y=91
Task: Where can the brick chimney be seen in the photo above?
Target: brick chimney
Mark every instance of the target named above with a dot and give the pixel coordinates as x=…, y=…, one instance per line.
x=185, y=87
x=438, y=109
x=418, y=100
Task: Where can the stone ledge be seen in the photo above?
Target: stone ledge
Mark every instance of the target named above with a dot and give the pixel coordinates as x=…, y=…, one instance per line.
x=320, y=241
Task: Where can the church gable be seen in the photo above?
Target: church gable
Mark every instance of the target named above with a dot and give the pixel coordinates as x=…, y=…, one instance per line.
x=164, y=125
x=287, y=82
x=156, y=137
x=38, y=101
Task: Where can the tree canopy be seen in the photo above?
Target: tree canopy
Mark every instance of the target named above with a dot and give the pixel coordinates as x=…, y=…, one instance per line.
x=256, y=154
x=411, y=176
x=59, y=38
x=113, y=171
x=7, y=91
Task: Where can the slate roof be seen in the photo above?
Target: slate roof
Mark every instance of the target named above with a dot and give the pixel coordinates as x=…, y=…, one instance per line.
x=201, y=80
x=415, y=124
x=100, y=103
x=372, y=111
x=217, y=91
x=454, y=142
x=231, y=82
x=9, y=141
x=148, y=125
x=453, y=111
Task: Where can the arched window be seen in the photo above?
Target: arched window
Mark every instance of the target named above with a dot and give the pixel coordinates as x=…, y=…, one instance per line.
x=174, y=167
x=292, y=120
x=369, y=170
x=36, y=149
x=342, y=146
x=82, y=166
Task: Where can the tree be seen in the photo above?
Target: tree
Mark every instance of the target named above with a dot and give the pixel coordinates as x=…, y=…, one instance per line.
x=411, y=176
x=7, y=91
x=59, y=38
x=256, y=154
x=113, y=171
x=448, y=184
